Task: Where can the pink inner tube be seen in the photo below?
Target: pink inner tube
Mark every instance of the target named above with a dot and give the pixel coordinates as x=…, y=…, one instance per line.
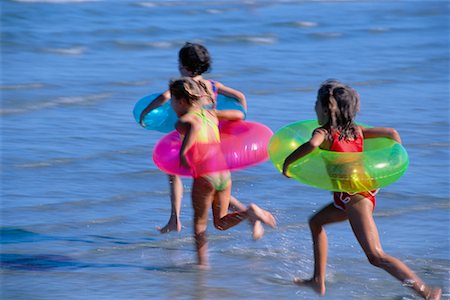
x=242, y=144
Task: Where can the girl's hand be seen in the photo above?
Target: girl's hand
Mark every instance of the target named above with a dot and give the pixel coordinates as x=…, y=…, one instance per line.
x=157, y=102
x=285, y=170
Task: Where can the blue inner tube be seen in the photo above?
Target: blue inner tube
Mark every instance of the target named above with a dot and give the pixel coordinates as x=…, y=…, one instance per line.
x=163, y=118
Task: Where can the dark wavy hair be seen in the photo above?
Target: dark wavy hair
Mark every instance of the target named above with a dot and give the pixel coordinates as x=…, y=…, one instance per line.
x=195, y=58
x=343, y=103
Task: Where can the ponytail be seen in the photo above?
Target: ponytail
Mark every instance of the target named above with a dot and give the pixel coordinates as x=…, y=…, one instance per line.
x=342, y=103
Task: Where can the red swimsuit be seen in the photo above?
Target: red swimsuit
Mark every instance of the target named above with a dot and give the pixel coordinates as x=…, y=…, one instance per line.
x=341, y=198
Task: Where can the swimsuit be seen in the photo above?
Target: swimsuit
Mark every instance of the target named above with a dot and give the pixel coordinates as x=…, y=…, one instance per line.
x=219, y=180
x=214, y=88
x=209, y=133
x=346, y=145
x=212, y=105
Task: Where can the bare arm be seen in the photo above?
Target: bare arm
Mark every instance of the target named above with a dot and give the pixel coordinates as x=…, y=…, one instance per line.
x=229, y=114
x=306, y=148
x=160, y=100
x=189, y=128
x=227, y=91
x=377, y=132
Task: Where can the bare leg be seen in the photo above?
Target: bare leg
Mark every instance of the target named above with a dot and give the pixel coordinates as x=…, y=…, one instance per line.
x=258, y=229
x=328, y=214
x=359, y=212
x=236, y=205
x=202, y=195
x=224, y=220
x=222, y=201
x=176, y=193
x=256, y=213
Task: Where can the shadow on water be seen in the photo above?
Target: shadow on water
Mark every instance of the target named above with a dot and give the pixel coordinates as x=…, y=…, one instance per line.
x=11, y=235
x=38, y=262
x=50, y=262
x=53, y=262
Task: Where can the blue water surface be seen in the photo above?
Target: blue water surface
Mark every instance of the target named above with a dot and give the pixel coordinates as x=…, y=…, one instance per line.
x=81, y=197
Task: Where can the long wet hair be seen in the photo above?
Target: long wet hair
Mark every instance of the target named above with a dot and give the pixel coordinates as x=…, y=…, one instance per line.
x=342, y=103
x=195, y=58
x=188, y=89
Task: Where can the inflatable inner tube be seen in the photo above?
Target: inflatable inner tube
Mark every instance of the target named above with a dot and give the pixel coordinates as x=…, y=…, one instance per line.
x=242, y=144
x=382, y=162
x=163, y=118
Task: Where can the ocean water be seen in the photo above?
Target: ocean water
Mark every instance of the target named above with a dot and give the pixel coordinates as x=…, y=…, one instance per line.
x=81, y=197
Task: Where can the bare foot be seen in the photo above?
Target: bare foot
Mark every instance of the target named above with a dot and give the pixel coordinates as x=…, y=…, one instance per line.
x=258, y=230
x=434, y=294
x=316, y=286
x=173, y=224
x=257, y=213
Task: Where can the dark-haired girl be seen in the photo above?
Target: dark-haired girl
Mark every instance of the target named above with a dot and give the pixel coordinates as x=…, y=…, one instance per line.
x=193, y=61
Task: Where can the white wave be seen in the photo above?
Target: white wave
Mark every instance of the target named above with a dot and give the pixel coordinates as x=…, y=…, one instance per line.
x=306, y=24
x=44, y=164
x=262, y=40
x=56, y=1
x=132, y=83
x=161, y=45
x=247, y=39
x=214, y=11
x=166, y=3
x=378, y=29
x=328, y=34
x=22, y=86
x=67, y=51
x=61, y=101
x=147, y=4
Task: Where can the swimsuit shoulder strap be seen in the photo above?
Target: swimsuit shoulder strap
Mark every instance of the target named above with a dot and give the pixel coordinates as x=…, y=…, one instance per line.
x=213, y=85
x=207, y=122
x=214, y=88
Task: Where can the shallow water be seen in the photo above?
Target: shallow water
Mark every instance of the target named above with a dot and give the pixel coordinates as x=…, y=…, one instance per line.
x=81, y=197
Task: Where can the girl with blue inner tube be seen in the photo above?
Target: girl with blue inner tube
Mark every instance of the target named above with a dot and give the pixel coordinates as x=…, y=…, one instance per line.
x=194, y=60
x=336, y=108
